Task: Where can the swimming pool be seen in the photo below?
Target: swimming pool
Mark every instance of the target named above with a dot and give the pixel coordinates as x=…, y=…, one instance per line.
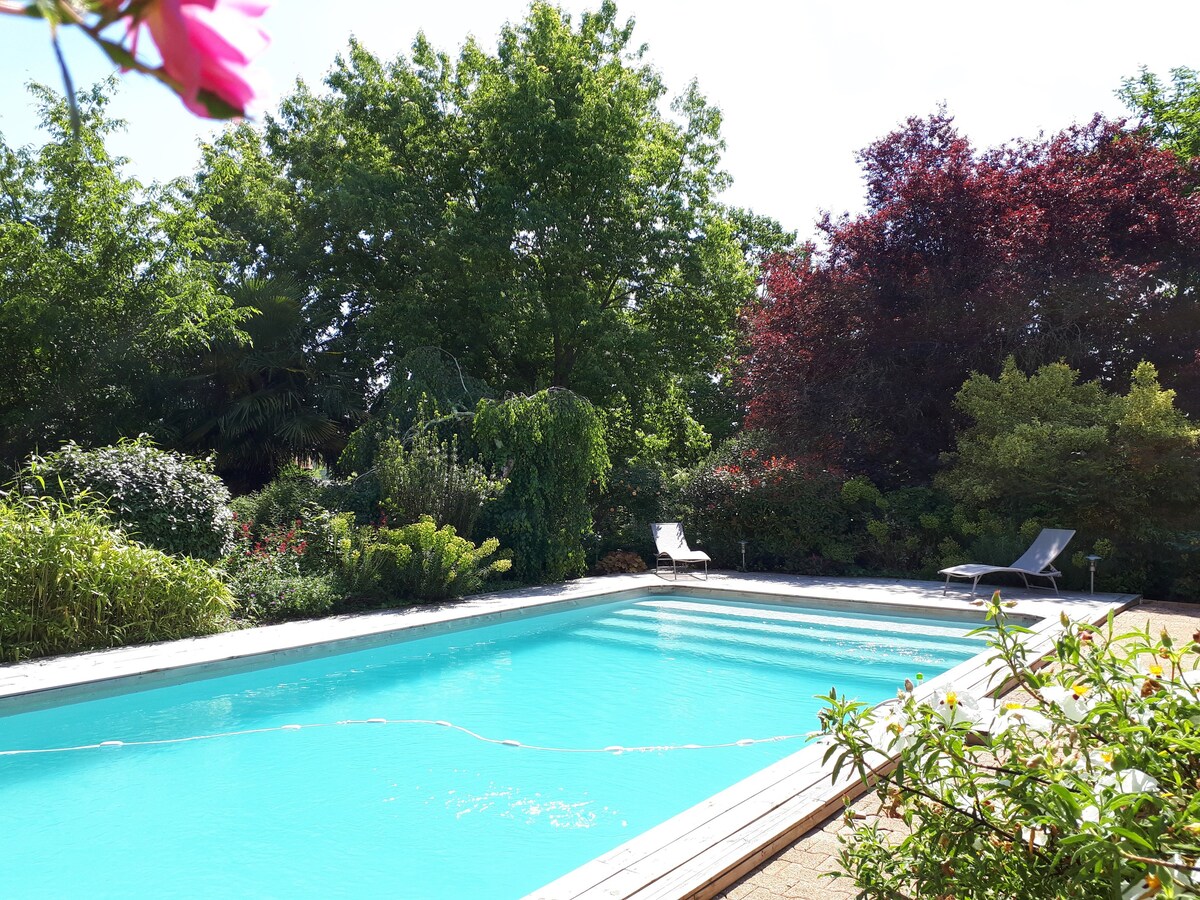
x=522, y=784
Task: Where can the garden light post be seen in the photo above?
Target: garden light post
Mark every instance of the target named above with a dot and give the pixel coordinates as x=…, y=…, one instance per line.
x=743, y=543
x=1092, y=560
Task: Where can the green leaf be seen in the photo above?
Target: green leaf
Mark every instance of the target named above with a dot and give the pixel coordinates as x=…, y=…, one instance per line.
x=217, y=107
x=117, y=53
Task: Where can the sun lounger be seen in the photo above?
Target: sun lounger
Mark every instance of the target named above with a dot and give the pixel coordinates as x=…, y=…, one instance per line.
x=668, y=536
x=1037, y=561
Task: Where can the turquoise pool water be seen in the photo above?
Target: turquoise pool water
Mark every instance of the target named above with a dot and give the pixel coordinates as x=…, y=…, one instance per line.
x=406, y=810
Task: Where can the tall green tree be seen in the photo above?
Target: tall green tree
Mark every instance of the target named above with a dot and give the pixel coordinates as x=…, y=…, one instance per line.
x=535, y=212
x=104, y=285
x=1171, y=112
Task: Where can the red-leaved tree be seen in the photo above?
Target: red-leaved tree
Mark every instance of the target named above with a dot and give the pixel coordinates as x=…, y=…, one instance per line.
x=1084, y=247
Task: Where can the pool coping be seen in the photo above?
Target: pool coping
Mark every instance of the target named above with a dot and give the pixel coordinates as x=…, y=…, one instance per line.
x=696, y=853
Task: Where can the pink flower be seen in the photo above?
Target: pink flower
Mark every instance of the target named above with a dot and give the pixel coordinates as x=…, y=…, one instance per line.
x=206, y=45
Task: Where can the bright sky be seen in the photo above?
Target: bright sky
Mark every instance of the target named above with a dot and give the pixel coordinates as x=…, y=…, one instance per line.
x=803, y=84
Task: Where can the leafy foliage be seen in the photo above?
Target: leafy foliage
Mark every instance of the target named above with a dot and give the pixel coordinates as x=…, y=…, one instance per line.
x=70, y=581
x=266, y=595
x=281, y=573
x=1048, y=450
x=634, y=496
x=533, y=212
x=551, y=445
x=165, y=499
x=418, y=562
x=294, y=494
x=105, y=286
x=262, y=403
x=428, y=479
x=1081, y=247
x=1082, y=788
x=909, y=531
x=1170, y=113
x=428, y=390
x=787, y=509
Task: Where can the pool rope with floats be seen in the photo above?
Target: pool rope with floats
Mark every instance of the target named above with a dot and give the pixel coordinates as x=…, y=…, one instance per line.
x=508, y=742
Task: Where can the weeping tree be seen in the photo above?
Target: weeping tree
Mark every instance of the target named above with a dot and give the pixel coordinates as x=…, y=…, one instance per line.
x=551, y=445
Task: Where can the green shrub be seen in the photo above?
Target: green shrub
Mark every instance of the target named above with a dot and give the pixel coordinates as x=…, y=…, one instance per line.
x=417, y=562
x=285, y=572
x=293, y=494
x=428, y=479
x=292, y=511
x=70, y=581
x=901, y=532
x=359, y=495
x=787, y=510
x=551, y=445
x=264, y=594
x=164, y=499
x=633, y=498
x=1047, y=450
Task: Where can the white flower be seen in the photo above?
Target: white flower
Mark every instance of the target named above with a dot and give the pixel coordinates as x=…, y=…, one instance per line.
x=1034, y=837
x=1102, y=759
x=1090, y=813
x=1188, y=878
x=1073, y=701
x=1135, y=781
x=1014, y=715
x=891, y=732
x=1129, y=781
x=956, y=707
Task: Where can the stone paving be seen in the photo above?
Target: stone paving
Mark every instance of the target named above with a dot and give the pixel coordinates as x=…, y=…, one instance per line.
x=799, y=872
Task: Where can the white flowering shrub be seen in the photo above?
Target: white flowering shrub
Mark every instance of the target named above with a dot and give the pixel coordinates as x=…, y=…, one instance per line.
x=1085, y=783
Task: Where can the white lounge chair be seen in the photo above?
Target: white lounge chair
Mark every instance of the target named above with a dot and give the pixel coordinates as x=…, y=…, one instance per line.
x=668, y=537
x=1037, y=560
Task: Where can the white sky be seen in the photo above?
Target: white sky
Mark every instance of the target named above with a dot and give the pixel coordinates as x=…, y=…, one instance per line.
x=803, y=85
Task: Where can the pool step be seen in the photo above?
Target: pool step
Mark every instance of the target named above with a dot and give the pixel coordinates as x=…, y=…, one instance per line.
x=864, y=664
x=831, y=618
x=790, y=636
